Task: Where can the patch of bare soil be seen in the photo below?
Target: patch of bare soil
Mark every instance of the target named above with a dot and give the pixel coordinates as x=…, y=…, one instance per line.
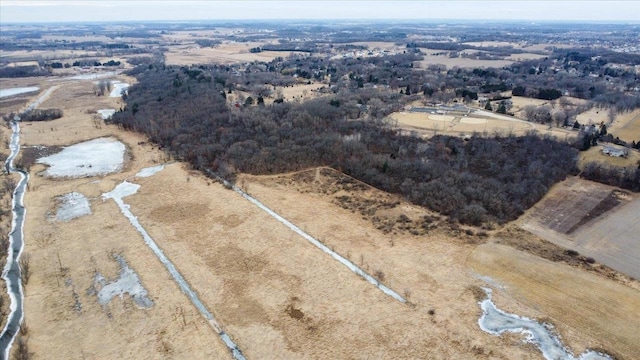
x=522, y=240
x=596, y=220
x=615, y=198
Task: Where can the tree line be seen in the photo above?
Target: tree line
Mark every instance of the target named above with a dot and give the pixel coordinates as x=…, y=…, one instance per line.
x=475, y=180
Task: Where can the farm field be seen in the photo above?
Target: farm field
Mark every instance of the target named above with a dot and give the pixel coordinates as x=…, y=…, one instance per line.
x=594, y=219
x=225, y=53
x=275, y=294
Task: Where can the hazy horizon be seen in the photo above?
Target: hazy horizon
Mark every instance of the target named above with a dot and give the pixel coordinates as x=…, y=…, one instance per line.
x=50, y=11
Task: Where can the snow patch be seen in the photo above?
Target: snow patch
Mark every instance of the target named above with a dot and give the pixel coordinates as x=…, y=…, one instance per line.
x=127, y=283
x=90, y=158
x=119, y=89
x=106, y=113
x=16, y=91
x=146, y=172
x=72, y=205
x=495, y=322
x=124, y=189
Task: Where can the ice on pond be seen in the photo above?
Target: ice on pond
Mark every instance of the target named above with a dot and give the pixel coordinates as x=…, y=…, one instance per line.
x=16, y=91
x=119, y=89
x=90, y=158
x=89, y=76
x=127, y=283
x=146, y=172
x=106, y=113
x=72, y=205
x=495, y=322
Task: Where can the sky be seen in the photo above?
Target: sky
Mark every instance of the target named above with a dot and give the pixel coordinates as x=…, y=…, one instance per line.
x=131, y=10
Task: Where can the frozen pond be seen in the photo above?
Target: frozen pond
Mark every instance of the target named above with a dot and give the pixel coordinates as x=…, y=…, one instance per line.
x=90, y=158
x=495, y=322
x=72, y=205
x=119, y=89
x=16, y=91
x=146, y=172
x=127, y=283
x=106, y=113
x=88, y=76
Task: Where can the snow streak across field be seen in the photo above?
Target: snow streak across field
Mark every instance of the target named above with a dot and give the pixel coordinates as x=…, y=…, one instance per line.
x=127, y=189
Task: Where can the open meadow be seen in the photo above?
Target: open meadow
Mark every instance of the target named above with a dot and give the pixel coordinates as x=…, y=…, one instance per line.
x=225, y=53
x=469, y=122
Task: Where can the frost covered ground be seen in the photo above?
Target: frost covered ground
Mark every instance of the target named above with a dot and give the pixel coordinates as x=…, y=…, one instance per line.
x=90, y=158
x=72, y=205
x=16, y=91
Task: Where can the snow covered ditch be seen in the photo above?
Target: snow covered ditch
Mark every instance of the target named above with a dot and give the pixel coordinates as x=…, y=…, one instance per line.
x=17, y=91
x=126, y=189
x=90, y=158
x=495, y=322
x=72, y=205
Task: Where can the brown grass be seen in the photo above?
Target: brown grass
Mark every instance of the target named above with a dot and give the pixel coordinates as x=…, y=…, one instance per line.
x=277, y=295
x=226, y=53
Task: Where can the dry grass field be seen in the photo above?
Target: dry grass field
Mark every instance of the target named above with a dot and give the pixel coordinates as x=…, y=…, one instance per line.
x=564, y=294
x=479, y=121
x=593, y=116
x=225, y=53
x=525, y=56
x=458, y=61
x=520, y=102
x=277, y=295
x=29, y=55
x=627, y=126
x=595, y=154
x=493, y=44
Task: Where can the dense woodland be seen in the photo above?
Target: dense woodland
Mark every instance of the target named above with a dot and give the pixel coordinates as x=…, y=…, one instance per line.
x=475, y=180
